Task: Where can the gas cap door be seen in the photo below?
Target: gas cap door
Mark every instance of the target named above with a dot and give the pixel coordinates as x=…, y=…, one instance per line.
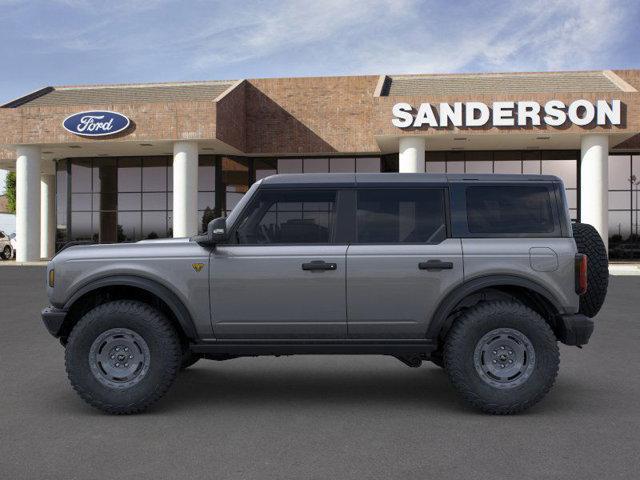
x=543, y=259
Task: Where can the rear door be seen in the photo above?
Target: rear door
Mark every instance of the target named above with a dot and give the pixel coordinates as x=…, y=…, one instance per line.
x=401, y=263
x=284, y=277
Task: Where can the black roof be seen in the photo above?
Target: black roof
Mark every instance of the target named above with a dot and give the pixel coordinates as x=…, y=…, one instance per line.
x=353, y=179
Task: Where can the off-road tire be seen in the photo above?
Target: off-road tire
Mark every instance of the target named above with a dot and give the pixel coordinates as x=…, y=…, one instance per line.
x=7, y=254
x=164, y=356
x=467, y=332
x=590, y=243
x=188, y=358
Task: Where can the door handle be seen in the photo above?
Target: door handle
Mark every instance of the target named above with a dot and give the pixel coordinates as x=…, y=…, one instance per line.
x=435, y=265
x=319, y=265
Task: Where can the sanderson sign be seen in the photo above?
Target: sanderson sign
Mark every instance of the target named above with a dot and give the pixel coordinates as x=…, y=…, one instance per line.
x=96, y=123
x=507, y=114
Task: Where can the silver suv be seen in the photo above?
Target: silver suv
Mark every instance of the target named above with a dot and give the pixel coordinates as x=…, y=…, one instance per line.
x=481, y=275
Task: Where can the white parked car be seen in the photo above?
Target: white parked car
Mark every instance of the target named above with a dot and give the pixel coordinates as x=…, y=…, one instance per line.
x=14, y=243
x=6, y=246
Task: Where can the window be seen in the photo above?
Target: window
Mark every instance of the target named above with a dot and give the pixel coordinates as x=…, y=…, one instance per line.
x=401, y=216
x=509, y=209
x=289, y=216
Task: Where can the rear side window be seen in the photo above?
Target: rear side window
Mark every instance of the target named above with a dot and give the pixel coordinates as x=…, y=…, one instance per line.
x=401, y=216
x=509, y=209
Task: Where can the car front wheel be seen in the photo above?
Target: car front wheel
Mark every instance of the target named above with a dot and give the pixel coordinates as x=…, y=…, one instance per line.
x=502, y=357
x=122, y=356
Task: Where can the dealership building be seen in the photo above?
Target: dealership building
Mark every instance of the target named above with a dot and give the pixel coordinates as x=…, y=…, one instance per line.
x=115, y=163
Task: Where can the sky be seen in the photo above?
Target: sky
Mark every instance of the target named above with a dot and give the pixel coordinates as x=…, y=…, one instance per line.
x=71, y=42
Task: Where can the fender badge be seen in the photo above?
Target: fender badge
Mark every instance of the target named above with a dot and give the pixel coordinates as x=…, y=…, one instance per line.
x=197, y=266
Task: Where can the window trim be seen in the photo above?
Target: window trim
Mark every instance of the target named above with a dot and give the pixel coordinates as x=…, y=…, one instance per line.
x=444, y=190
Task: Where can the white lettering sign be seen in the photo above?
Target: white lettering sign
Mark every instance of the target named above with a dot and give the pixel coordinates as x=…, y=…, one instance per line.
x=554, y=113
x=88, y=123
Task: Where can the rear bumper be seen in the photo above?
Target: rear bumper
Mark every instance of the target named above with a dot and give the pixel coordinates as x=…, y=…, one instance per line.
x=53, y=319
x=574, y=329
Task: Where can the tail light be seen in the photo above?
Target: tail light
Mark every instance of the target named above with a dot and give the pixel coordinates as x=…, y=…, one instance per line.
x=581, y=273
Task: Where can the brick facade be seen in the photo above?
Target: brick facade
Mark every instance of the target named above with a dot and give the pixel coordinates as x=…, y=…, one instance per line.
x=289, y=116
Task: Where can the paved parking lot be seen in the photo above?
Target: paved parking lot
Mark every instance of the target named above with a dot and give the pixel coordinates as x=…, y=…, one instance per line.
x=317, y=417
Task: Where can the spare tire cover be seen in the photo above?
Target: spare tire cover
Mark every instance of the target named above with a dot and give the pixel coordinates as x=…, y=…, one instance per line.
x=589, y=243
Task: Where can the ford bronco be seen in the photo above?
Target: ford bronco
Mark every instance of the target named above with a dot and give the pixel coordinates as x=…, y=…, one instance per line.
x=479, y=274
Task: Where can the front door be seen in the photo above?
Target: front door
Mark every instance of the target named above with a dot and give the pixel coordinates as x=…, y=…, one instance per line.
x=401, y=264
x=283, y=274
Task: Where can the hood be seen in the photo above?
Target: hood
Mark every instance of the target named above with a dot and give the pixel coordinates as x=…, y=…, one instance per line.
x=143, y=248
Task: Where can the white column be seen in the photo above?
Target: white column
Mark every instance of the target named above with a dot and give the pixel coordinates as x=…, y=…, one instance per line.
x=47, y=215
x=185, y=189
x=594, y=183
x=411, y=154
x=28, y=203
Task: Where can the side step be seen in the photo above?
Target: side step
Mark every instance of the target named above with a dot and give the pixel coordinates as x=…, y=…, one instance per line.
x=314, y=347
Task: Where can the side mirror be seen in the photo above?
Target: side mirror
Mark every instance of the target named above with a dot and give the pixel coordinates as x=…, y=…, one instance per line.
x=216, y=232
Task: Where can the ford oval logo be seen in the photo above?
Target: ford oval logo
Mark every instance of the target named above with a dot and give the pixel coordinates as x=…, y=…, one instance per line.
x=96, y=124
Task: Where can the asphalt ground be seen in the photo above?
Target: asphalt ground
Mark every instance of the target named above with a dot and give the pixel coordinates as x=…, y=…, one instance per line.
x=321, y=417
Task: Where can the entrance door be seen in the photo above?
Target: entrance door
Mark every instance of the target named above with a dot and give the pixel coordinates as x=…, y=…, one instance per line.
x=401, y=263
x=284, y=275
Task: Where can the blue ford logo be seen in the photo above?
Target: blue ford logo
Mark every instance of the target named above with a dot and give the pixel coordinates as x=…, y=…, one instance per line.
x=96, y=124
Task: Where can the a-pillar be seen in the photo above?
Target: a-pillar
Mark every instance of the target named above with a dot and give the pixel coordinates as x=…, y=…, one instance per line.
x=185, y=189
x=411, y=154
x=594, y=183
x=27, y=203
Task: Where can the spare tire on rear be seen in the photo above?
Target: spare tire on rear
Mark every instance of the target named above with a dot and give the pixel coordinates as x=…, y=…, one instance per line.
x=589, y=243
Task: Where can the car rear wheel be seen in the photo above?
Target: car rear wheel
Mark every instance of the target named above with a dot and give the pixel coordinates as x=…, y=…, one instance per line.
x=502, y=357
x=122, y=356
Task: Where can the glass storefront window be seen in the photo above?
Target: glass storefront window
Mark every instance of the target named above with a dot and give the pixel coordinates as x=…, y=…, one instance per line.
x=265, y=167
x=368, y=165
x=435, y=167
x=129, y=226
x=206, y=200
x=531, y=167
x=129, y=174
x=235, y=181
x=206, y=173
x=154, y=225
x=129, y=201
x=455, y=167
x=154, y=201
x=316, y=165
x=342, y=165
x=154, y=174
x=289, y=165
x=565, y=169
x=81, y=175
x=61, y=204
x=479, y=167
x=507, y=166
x=624, y=203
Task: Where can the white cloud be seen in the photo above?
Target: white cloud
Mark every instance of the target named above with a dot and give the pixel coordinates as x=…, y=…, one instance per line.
x=207, y=39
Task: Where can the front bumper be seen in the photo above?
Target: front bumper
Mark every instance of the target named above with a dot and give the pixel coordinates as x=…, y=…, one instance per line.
x=53, y=319
x=574, y=329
